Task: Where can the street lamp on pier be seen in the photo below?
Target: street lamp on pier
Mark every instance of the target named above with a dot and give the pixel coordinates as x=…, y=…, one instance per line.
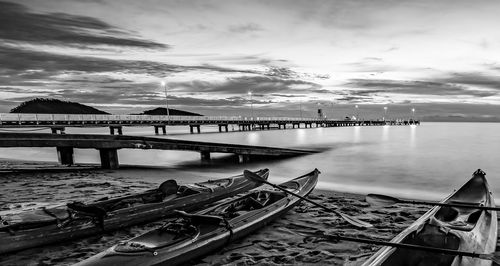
x=357, y=112
x=333, y=111
x=413, y=113
x=164, y=84
x=385, y=112
x=251, y=102
x=300, y=106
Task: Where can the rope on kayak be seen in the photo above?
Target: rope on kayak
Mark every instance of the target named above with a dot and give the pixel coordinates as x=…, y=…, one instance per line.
x=48, y=212
x=205, y=187
x=6, y=226
x=98, y=213
x=229, y=228
x=479, y=172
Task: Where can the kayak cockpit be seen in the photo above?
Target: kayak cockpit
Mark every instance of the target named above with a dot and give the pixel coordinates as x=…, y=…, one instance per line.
x=429, y=236
x=172, y=233
x=252, y=201
x=464, y=219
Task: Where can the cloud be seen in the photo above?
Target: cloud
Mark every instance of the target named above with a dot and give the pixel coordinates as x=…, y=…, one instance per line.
x=19, y=66
x=281, y=72
x=245, y=28
x=445, y=88
x=259, y=85
x=19, y=24
x=474, y=79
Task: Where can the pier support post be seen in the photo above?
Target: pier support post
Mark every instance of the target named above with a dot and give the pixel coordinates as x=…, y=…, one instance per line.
x=118, y=128
x=163, y=130
x=57, y=130
x=225, y=126
x=109, y=158
x=192, y=127
x=65, y=155
x=243, y=158
x=205, y=155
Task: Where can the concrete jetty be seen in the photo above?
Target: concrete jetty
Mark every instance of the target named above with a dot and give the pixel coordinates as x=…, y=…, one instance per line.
x=108, y=146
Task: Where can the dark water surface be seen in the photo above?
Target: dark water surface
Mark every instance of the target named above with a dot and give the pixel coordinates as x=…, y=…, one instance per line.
x=425, y=162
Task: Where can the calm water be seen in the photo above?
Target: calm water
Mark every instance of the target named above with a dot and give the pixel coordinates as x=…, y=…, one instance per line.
x=426, y=161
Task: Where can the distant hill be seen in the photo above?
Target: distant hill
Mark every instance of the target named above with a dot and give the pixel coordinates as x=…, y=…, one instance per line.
x=163, y=111
x=54, y=106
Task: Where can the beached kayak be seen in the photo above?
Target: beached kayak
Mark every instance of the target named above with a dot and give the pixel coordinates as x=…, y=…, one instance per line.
x=194, y=235
x=451, y=228
x=75, y=220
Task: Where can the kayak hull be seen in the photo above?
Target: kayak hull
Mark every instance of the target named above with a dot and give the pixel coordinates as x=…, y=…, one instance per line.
x=456, y=228
x=16, y=239
x=209, y=237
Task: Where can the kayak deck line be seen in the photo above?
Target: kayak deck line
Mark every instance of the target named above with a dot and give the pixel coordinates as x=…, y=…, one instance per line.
x=40, y=227
x=193, y=235
x=449, y=227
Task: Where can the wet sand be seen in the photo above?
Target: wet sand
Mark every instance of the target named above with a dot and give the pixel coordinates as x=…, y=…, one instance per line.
x=280, y=243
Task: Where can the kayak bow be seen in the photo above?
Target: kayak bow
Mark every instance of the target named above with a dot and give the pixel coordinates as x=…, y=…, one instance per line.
x=76, y=220
x=194, y=235
x=463, y=229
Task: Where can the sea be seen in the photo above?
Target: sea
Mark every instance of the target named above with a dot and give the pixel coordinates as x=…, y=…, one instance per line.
x=427, y=161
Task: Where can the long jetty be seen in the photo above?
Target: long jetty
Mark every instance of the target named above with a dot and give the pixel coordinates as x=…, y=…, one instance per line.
x=108, y=146
x=58, y=122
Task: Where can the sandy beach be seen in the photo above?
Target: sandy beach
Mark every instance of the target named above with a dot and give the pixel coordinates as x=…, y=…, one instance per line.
x=282, y=242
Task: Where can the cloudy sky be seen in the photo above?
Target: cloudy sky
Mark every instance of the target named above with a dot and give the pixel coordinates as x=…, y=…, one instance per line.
x=439, y=57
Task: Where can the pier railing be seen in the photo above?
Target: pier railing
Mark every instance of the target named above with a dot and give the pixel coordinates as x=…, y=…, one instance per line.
x=19, y=118
x=57, y=122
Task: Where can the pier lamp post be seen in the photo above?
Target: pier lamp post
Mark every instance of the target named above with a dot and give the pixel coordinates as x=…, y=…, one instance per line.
x=164, y=84
x=357, y=112
x=385, y=112
x=300, y=106
x=251, y=102
x=333, y=111
x=413, y=113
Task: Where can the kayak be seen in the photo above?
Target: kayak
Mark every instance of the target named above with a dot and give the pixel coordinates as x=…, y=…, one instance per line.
x=76, y=219
x=193, y=235
x=453, y=228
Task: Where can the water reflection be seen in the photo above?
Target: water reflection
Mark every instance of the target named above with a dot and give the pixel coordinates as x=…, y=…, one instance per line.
x=385, y=132
x=394, y=158
x=253, y=138
x=357, y=134
x=300, y=136
x=413, y=136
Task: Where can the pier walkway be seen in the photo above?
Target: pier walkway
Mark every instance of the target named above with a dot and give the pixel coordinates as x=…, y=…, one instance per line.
x=58, y=122
x=108, y=146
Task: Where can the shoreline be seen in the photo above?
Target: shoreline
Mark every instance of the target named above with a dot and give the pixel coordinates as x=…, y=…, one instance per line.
x=279, y=243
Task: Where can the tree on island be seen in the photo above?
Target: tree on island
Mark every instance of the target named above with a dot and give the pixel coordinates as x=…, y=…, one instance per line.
x=54, y=106
x=163, y=111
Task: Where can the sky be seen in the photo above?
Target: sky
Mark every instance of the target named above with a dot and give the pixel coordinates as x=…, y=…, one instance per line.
x=439, y=58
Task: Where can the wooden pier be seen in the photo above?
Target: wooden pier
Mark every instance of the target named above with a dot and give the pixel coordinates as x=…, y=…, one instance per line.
x=58, y=122
x=108, y=146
